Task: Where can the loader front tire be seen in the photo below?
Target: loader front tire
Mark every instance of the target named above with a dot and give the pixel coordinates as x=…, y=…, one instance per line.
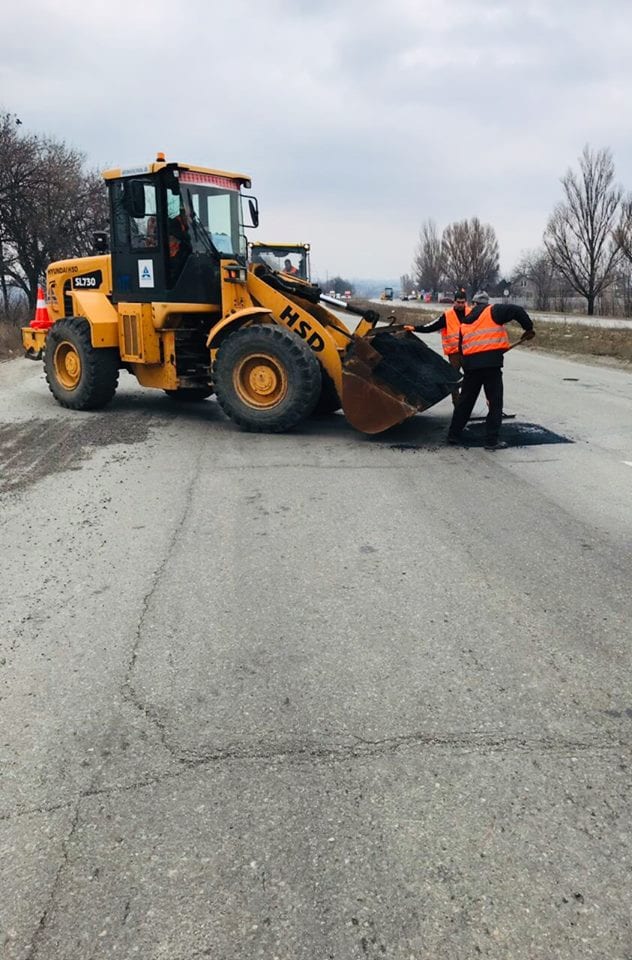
x=79, y=376
x=266, y=378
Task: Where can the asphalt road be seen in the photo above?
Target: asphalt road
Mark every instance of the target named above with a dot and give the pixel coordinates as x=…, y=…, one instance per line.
x=316, y=696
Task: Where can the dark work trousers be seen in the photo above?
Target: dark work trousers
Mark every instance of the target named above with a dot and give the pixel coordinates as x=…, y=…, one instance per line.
x=454, y=359
x=491, y=380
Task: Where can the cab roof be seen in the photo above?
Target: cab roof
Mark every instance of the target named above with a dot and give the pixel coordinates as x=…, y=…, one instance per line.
x=117, y=173
x=280, y=246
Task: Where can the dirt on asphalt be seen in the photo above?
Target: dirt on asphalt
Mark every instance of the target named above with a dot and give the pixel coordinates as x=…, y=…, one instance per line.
x=31, y=450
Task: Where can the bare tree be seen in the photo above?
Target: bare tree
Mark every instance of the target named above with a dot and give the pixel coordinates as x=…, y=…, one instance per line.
x=406, y=284
x=470, y=254
x=582, y=236
x=49, y=205
x=340, y=285
x=15, y=165
x=537, y=266
x=428, y=262
x=623, y=233
x=624, y=287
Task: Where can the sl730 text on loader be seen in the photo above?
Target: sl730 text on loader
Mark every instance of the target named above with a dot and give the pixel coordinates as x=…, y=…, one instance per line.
x=176, y=303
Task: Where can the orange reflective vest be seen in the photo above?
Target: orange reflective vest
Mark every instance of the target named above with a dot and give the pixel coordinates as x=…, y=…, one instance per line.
x=451, y=332
x=483, y=334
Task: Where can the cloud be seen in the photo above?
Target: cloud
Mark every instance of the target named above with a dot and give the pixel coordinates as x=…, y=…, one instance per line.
x=356, y=119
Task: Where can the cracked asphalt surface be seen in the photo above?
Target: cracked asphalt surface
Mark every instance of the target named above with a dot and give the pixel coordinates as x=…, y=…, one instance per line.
x=316, y=697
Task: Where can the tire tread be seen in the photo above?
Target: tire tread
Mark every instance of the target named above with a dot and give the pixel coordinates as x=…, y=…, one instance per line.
x=100, y=367
x=307, y=380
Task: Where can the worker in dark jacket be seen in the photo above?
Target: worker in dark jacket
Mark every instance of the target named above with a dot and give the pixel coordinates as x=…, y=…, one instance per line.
x=484, y=342
x=449, y=323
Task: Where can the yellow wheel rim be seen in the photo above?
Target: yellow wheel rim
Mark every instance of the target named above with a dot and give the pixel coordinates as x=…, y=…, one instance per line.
x=67, y=364
x=260, y=380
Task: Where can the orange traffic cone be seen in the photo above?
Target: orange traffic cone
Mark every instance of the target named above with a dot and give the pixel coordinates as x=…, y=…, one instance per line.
x=41, y=320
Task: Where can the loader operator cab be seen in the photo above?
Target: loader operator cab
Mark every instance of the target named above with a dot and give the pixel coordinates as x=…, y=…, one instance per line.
x=289, y=258
x=171, y=226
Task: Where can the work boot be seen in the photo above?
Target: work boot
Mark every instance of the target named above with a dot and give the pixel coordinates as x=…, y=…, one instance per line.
x=496, y=445
x=454, y=440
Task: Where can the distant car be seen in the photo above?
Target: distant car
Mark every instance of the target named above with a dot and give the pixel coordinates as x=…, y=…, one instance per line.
x=446, y=298
x=404, y=296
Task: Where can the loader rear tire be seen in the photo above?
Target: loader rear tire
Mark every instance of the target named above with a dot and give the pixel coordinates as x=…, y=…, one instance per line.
x=79, y=376
x=189, y=394
x=266, y=378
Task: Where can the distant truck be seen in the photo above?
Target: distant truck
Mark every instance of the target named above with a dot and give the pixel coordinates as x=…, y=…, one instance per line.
x=387, y=294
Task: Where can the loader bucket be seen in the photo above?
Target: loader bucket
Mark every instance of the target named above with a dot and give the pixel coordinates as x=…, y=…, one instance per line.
x=389, y=377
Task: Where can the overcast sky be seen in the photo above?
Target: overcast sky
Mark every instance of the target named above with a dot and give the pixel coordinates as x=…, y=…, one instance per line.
x=357, y=119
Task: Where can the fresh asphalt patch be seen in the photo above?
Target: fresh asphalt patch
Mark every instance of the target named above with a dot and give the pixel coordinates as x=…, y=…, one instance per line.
x=515, y=434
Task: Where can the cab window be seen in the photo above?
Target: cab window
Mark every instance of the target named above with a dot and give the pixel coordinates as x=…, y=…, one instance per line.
x=143, y=232
x=135, y=215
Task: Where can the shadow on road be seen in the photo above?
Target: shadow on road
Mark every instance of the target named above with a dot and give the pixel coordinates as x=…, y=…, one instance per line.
x=31, y=450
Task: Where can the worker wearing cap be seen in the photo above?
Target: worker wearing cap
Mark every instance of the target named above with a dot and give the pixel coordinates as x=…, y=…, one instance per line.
x=449, y=323
x=483, y=344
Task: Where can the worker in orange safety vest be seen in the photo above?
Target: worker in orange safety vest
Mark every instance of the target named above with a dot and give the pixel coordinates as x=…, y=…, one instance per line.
x=483, y=344
x=449, y=324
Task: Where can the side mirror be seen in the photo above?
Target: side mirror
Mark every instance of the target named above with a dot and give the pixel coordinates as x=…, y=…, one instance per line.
x=253, y=209
x=134, y=194
x=100, y=241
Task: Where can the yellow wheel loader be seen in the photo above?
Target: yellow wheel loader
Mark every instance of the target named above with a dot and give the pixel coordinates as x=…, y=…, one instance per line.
x=175, y=302
x=289, y=258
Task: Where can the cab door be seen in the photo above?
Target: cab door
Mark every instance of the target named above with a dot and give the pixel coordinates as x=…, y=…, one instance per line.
x=138, y=246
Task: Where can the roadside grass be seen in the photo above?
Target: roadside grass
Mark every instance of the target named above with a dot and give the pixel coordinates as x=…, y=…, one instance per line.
x=11, y=319
x=572, y=338
x=568, y=338
x=10, y=340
